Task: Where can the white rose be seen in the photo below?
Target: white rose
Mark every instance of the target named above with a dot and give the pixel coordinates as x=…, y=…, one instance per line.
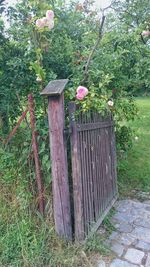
x=110, y=103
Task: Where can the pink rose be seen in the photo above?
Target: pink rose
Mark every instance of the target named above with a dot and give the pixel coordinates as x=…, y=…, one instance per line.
x=44, y=21
x=81, y=92
x=145, y=33
x=50, y=14
x=39, y=23
x=79, y=97
x=50, y=24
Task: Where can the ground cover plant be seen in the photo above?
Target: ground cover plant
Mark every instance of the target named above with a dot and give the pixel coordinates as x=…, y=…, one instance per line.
x=29, y=58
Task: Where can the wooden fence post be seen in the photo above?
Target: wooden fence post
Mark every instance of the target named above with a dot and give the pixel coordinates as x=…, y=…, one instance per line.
x=61, y=196
x=76, y=176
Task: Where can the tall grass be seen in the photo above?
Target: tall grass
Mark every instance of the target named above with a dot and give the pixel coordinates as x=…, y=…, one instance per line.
x=26, y=238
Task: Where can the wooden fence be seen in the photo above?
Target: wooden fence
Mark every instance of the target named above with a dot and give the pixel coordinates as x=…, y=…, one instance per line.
x=93, y=169
x=93, y=174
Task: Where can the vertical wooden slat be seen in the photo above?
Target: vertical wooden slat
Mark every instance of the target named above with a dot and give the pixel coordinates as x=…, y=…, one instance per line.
x=76, y=175
x=61, y=197
x=82, y=150
x=90, y=201
x=114, y=160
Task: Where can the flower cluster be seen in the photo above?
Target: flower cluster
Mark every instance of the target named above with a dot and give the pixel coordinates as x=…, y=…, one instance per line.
x=81, y=92
x=47, y=21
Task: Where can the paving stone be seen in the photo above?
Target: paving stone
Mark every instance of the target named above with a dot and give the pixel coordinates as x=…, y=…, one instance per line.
x=123, y=203
x=148, y=208
x=143, y=245
x=101, y=263
x=126, y=239
x=138, y=205
x=125, y=228
x=122, y=218
x=142, y=233
x=134, y=256
x=123, y=207
x=117, y=248
x=148, y=261
x=137, y=213
x=147, y=202
x=121, y=263
x=142, y=222
x=132, y=221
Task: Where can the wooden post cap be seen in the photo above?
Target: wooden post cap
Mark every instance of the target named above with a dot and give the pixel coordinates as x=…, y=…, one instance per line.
x=55, y=88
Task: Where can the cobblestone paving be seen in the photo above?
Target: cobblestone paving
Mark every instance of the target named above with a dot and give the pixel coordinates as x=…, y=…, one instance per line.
x=131, y=240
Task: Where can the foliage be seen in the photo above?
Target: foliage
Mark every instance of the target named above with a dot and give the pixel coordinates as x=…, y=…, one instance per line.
x=134, y=168
x=63, y=52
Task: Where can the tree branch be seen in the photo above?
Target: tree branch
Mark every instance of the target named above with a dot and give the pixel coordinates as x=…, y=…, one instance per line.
x=86, y=67
x=100, y=35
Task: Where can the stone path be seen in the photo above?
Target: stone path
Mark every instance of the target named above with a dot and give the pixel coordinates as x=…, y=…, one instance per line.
x=131, y=240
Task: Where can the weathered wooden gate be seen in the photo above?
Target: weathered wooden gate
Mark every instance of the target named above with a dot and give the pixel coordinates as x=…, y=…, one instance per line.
x=93, y=172
x=93, y=168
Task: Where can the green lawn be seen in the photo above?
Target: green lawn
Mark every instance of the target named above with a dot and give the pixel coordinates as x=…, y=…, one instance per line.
x=134, y=171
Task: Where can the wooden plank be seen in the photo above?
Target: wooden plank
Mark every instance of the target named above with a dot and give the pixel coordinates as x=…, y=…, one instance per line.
x=88, y=183
x=61, y=196
x=93, y=126
x=55, y=88
x=82, y=152
x=114, y=159
x=76, y=176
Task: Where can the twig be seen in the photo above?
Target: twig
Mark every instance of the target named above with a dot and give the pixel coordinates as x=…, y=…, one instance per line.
x=38, y=172
x=18, y=97
x=5, y=142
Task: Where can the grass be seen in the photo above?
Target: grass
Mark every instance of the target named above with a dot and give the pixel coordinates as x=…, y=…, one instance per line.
x=28, y=240
x=134, y=170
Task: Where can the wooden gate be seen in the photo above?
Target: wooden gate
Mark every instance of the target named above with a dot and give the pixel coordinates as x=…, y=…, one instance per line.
x=93, y=169
x=93, y=172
